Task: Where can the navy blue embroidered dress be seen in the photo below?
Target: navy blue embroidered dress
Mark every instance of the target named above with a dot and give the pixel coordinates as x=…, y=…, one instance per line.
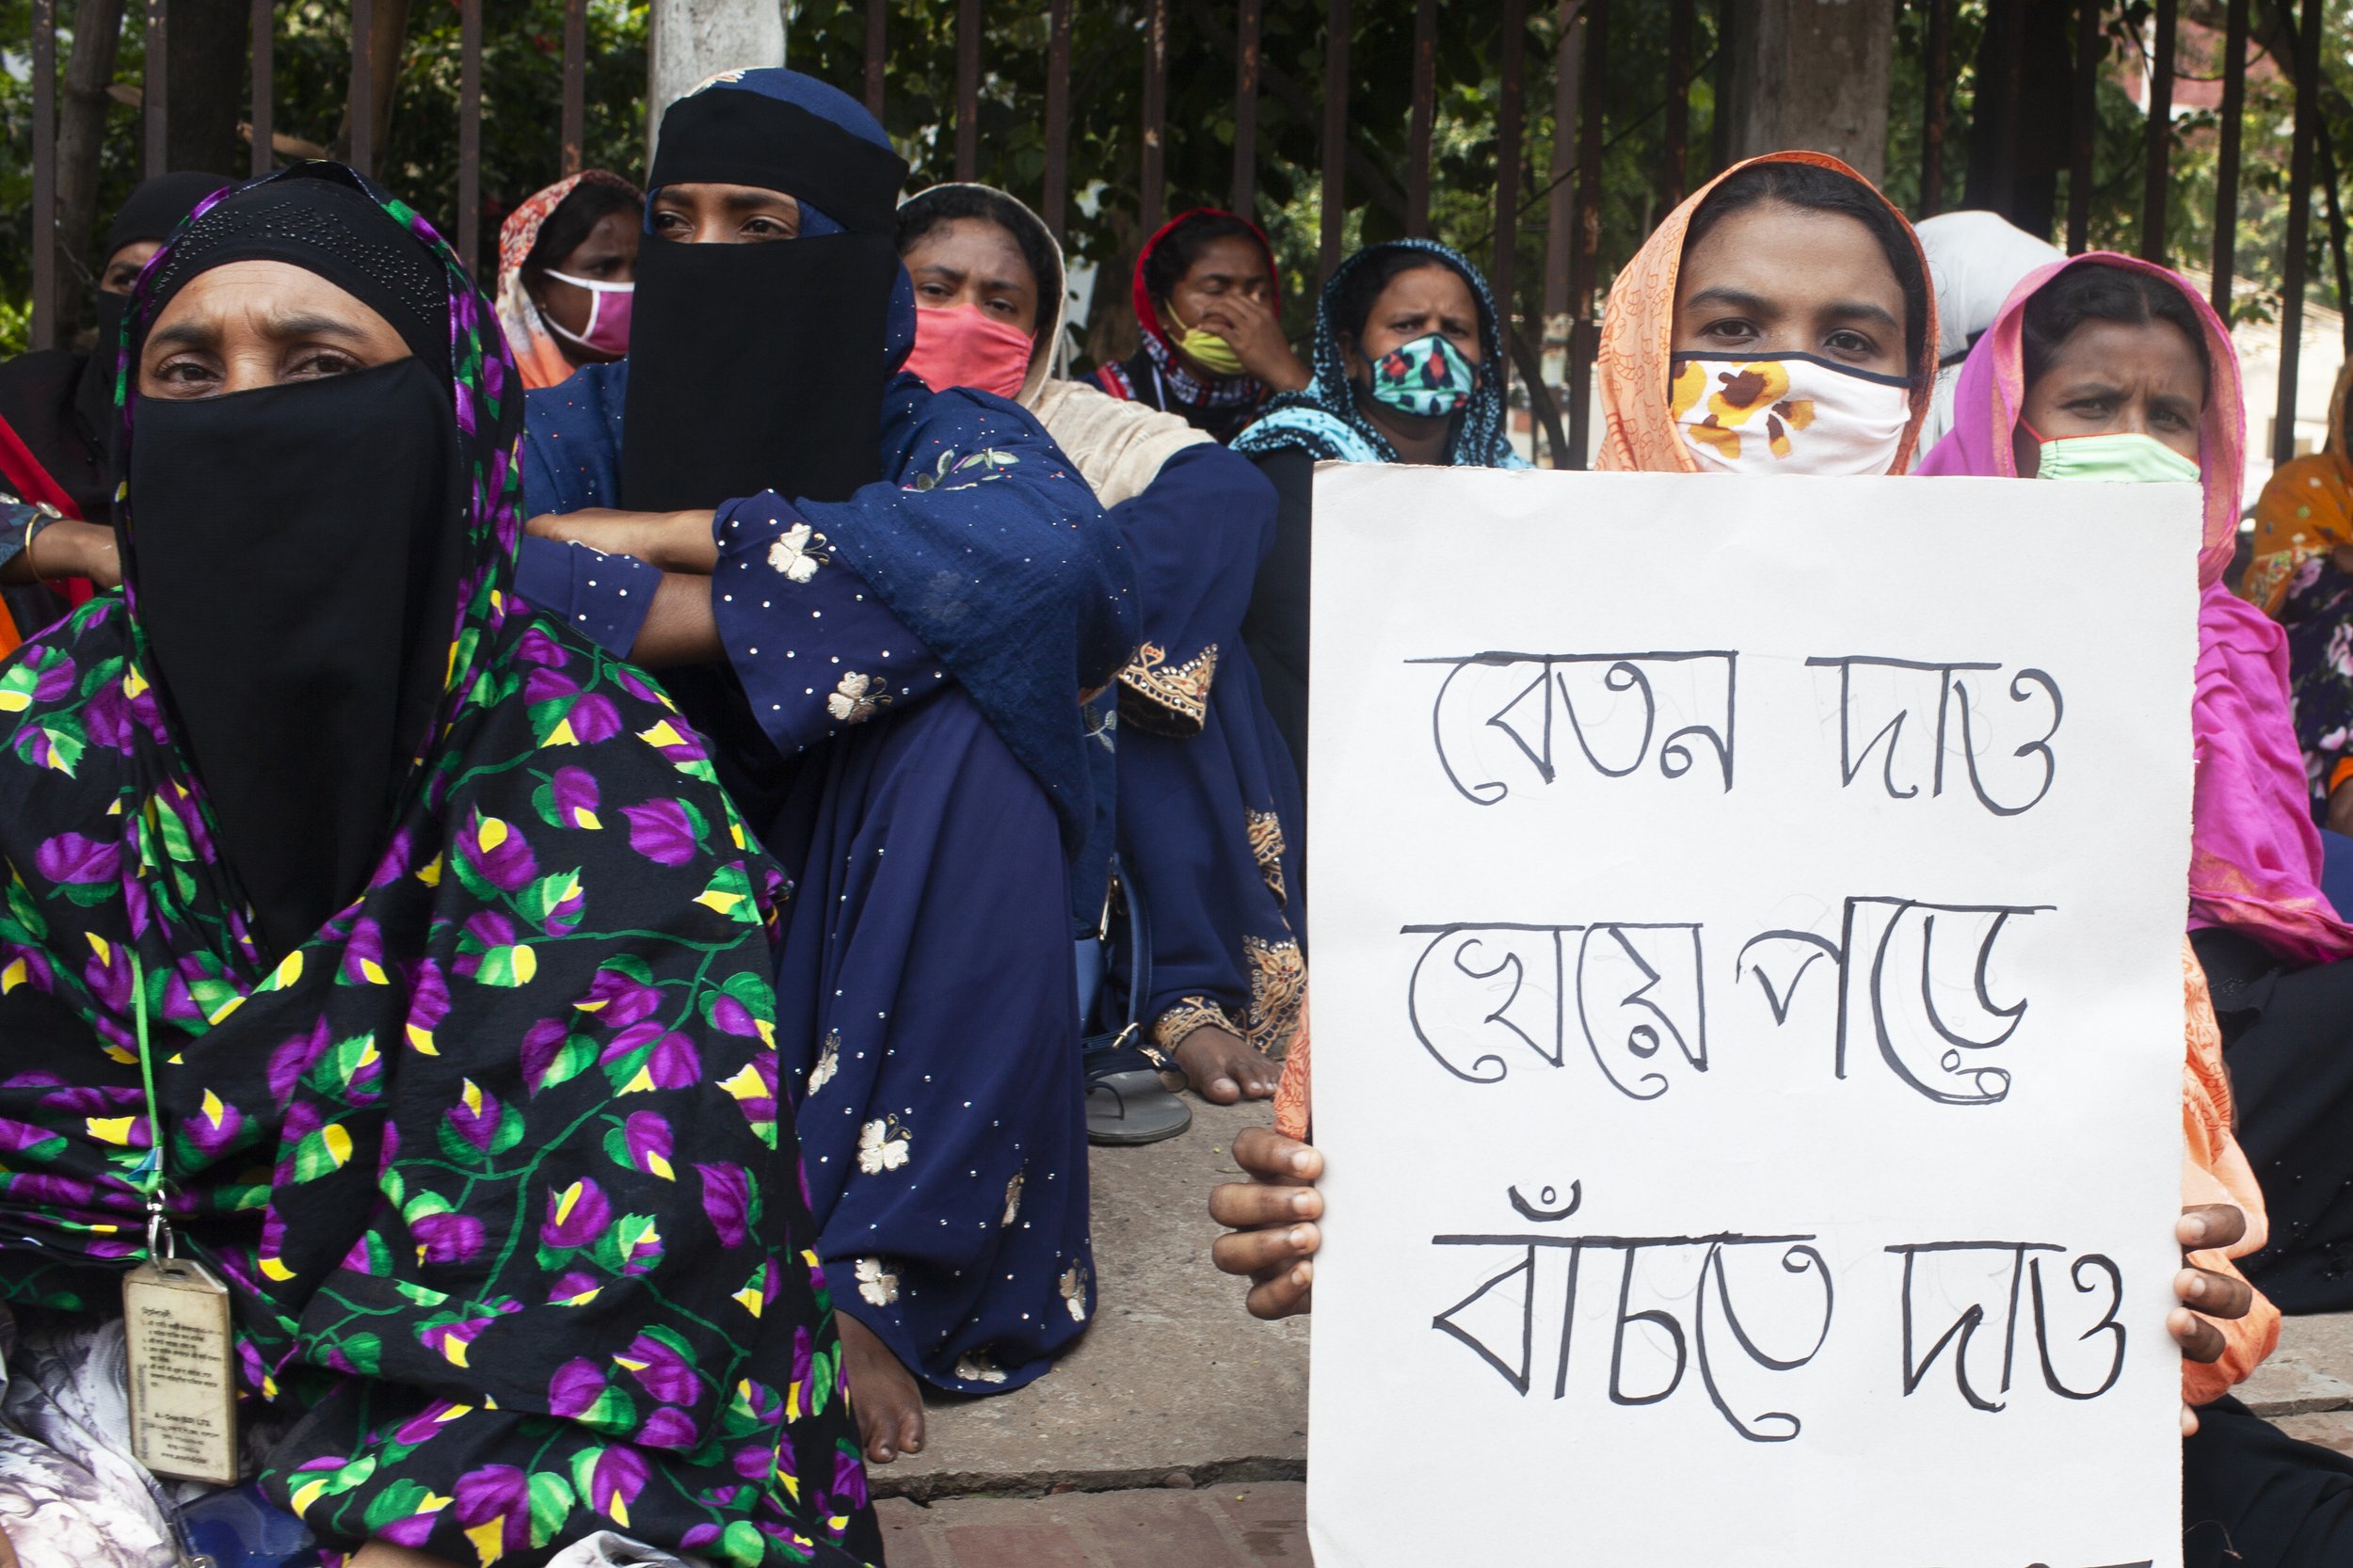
x=898, y=714
x=926, y=999
x=1210, y=805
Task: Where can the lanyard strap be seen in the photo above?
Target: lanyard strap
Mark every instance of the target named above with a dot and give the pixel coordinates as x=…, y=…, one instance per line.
x=149, y=1174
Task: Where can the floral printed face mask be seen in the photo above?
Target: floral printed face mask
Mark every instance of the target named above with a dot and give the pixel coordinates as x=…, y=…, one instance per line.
x=1427, y=377
x=1787, y=413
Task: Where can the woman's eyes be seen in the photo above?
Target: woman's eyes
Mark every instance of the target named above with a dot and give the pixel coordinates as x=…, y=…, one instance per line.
x=1850, y=342
x=670, y=223
x=1732, y=328
x=766, y=228
x=1002, y=306
x=312, y=363
x=183, y=371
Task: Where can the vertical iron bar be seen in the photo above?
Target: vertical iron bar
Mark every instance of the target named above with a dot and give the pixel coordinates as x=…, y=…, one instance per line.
x=1584, y=334
x=470, y=134
x=2156, y=160
x=2084, y=115
x=968, y=88
x=155, y=112
x=1932, y=111
x=1680, y=23
x=575, y=128
x=1335, y=134
x=362, y=96
x=877, y=14
x=1245, y=192
x=44, y=173
x=1567, y=73
x=2227, y=155
x=2300, y=230
x=1153, y=187
x=1511, y=74
x=265, y=30
x=1057, y=195
x=1424, y=111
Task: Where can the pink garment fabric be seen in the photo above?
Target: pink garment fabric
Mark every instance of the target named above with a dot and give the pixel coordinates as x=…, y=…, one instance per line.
x=2254, y=853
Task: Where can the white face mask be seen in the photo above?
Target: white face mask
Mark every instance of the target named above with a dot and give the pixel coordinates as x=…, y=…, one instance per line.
x=1787, y=413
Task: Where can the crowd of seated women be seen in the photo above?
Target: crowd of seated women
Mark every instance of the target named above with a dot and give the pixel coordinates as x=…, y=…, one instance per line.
x=559, y=842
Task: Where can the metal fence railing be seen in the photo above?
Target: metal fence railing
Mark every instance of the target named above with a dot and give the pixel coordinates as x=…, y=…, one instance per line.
x=1573, y=262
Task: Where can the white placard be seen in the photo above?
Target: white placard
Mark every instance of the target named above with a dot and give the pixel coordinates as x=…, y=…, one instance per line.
x=1748, y=1011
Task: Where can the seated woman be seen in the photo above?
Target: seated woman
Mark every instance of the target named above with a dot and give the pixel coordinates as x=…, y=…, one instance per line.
x=388, y=952
x=1209, y=311
x=1208, y=807
x=1409, y=369
x=2302, y=577
x=55, y=409
x=2106, y=367
x=568, y=267
x=1796, y=254
x=882, y=604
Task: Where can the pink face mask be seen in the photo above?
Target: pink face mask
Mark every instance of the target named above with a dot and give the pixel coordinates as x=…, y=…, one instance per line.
x=608, y=314
x=959, y=346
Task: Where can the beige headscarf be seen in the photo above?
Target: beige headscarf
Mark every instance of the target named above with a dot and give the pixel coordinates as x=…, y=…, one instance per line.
x=1119, y=446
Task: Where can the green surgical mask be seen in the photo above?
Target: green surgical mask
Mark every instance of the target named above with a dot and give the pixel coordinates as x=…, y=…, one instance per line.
x=2125, y=456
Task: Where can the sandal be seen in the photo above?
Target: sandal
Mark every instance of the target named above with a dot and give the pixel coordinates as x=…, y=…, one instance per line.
x=1127, y=1103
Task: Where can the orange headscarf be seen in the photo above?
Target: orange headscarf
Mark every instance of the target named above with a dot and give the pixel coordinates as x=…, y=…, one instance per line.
x=2306, y=510
x=537, y=354
x=1638, y=340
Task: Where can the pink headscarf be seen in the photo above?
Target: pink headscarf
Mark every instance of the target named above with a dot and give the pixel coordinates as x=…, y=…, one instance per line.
x=2254, y=853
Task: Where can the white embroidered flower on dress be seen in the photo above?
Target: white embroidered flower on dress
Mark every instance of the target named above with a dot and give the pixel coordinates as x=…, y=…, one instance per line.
x=975, y=1367
x=1074, y=1291
x=882, y=1145
x=856, y=698
x=799, y=553
x=829, y=1062
x=878, y=1285
x=1013, y=1199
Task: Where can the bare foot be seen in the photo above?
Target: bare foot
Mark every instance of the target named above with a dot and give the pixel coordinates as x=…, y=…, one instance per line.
x=883, y=1394
x=1223, y=1069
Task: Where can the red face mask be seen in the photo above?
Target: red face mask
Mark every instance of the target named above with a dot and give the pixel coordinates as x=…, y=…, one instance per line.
x=959, y=346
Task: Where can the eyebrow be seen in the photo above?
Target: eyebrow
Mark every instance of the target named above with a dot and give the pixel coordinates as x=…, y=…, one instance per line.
x=748, y=202
x=964, y=275
x=1860, y=310
x=280, y=328
x=1738, y=299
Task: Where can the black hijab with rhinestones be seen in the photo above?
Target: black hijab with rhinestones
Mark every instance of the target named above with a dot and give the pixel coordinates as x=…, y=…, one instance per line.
x=294, y=556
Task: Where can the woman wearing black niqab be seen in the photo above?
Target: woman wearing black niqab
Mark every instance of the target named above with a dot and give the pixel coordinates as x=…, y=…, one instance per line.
x=398, y=954
x=56, y=406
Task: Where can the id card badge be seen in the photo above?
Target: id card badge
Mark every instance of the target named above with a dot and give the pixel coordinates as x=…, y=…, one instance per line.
x=184, y=1390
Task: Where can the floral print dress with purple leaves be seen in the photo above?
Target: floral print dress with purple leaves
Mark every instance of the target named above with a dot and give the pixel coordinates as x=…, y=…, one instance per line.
x=495, y=1163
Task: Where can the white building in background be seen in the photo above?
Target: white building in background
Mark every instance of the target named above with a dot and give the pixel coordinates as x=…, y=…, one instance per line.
x=2321, y=352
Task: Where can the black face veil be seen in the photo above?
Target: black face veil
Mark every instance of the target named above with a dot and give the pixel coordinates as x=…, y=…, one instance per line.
x=294, y=556
x=761, y=366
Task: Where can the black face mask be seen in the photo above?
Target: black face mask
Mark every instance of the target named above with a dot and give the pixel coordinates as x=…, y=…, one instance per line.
x=94, y=399
x=755, y=367
x=294, y=554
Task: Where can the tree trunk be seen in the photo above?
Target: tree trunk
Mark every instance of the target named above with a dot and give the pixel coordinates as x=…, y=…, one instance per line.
x=690, y=39
x=81, y=136
x=1812, y=73
x=389, y=28
x=2021, y=131
x=206, y=67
